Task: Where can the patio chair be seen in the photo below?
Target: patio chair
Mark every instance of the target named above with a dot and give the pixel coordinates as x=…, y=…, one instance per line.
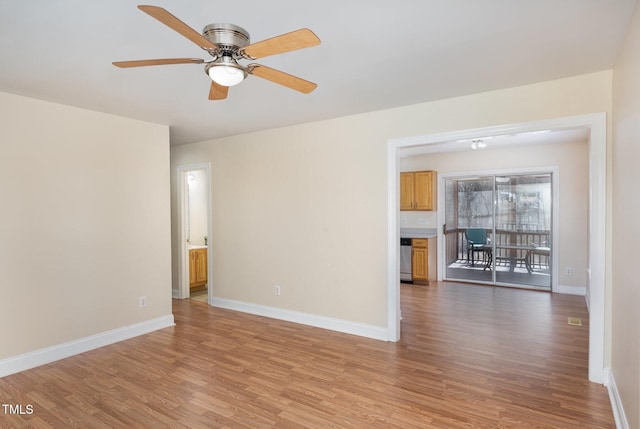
x=477, y=242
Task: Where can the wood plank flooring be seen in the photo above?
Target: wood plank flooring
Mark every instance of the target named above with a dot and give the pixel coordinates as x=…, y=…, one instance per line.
x=470, y=357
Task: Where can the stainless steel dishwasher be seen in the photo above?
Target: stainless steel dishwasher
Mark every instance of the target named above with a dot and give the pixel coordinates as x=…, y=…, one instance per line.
x=405, y=260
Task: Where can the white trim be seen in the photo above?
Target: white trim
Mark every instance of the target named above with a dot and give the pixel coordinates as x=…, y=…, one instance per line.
x=339, y=325
x=183, y=254
x=183, y=251
x=556, y=247
x=587, y=299
x=571, y=290
x=60, y=351
x=597, y=244
x=616, y=402
x=393, y=245
x=596, y=122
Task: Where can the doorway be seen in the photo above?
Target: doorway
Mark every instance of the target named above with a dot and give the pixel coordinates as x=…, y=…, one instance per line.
x=194, y=263
x=498, y=229
x=596, y=273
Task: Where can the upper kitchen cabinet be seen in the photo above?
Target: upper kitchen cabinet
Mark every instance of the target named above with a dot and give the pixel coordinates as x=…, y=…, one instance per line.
x=418, y=190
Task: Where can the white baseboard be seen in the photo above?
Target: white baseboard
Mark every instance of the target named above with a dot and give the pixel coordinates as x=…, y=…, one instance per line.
x=616, y=402
x=175, y=294
x=60, y=351
x=571, y=290
x=339, y=325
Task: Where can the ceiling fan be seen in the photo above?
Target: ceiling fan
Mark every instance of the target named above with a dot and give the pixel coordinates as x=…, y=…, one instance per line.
x=227, y=44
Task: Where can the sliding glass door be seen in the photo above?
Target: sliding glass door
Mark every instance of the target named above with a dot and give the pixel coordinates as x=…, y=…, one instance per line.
x=498, y=229
x=523, y=230
x=469, y=206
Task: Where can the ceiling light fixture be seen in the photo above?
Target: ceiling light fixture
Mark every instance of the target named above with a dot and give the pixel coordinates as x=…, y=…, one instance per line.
x=226, y=71
x=478, y=144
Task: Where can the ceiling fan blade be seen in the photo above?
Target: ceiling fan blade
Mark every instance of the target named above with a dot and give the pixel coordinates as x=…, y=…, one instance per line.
x=169, y=20
x=282, y=78
x=218, y=92
x=299, y=39
x=160, y=62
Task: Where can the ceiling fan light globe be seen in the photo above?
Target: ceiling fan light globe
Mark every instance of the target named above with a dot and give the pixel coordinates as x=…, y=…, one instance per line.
x=226, y=75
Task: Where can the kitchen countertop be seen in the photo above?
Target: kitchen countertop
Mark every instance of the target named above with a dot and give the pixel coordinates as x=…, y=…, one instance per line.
x=198, y=246
x=418, y=232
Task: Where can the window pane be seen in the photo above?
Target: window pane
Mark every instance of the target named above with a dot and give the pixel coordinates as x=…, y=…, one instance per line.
x=475, y=203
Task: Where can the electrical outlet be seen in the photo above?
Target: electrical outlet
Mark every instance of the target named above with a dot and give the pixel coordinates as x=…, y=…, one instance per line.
x=567, y=270
x=142, y=302
x=277, y=290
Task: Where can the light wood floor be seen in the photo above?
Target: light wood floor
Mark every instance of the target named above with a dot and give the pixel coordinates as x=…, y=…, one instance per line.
x=470, y=357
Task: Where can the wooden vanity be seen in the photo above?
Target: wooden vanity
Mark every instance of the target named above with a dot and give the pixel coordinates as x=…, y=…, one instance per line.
x=198, y=275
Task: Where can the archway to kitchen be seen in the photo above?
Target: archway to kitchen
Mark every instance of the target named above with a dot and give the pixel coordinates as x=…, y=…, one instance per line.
x=194, y=220
x=596, y=126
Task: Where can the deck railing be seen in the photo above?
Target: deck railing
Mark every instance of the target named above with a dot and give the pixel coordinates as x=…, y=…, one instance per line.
x=509, y=245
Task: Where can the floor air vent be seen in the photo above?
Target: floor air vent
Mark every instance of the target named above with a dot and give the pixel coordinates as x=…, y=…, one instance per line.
x=575, y=321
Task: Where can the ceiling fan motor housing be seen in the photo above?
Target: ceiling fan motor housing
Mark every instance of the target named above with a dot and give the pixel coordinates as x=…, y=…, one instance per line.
x=229, y=37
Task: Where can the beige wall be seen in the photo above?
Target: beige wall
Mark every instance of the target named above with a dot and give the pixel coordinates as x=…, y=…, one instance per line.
x=626, y=228
x=305, y=206
x=84, y=223
x=572, y=160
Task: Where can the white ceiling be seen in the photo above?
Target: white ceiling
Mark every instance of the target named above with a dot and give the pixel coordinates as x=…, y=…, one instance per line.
x=374, y=55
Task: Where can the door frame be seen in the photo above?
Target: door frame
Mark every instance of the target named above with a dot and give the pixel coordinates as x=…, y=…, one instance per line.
x=183, y=247
x=596, y=272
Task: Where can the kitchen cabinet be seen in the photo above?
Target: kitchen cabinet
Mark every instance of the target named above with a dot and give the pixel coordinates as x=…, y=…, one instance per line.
x=418, y=191
x=197, y=267
x=420, y=260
